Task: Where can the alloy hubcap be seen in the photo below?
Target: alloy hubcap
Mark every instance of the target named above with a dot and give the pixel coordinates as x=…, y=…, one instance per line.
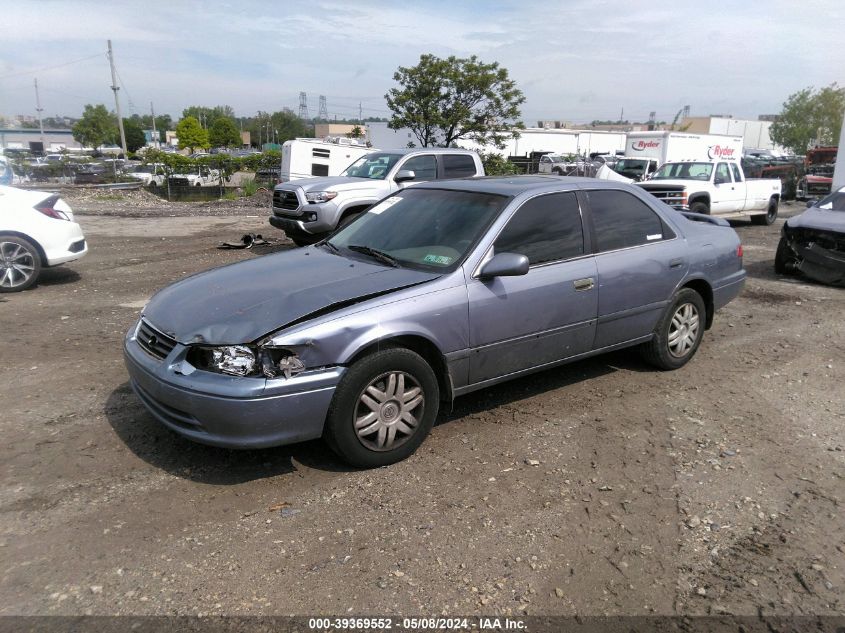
x=683, y=331
x=389, y=411
x=18, y=265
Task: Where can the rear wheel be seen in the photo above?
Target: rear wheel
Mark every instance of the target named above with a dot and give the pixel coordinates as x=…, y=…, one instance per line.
x=383, y=408
x=679, y=332
x=700, y=207
x=770, y=216
x=20, y=263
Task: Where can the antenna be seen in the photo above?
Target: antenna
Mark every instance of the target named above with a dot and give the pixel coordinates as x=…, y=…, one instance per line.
x=115, y=87
x=323, y=115
x=303, y=106
x=39, y=110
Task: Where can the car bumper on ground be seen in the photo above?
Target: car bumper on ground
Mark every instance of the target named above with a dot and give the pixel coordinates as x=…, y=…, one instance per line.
x=228, y=411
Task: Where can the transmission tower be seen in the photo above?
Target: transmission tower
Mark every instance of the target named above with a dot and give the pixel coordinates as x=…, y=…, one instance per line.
x=686, y=111
x=303, y=106
x=324, y=112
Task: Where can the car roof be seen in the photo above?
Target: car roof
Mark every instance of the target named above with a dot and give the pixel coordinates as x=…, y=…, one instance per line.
x=516, y=185
x=425, y=150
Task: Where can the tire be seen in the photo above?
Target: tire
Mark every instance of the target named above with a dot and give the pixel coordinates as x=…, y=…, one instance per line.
x=785, y=260
x=700, y=207
x=686, y=313
x=769, y=217
x=20, y=263
x=199, y=184
x=557, y=172
x=364, y=396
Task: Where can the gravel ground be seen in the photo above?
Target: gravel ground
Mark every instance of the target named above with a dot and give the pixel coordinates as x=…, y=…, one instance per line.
x=602, y=487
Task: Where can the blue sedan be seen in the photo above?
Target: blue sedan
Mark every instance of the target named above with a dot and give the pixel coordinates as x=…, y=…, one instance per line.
x=439, y=290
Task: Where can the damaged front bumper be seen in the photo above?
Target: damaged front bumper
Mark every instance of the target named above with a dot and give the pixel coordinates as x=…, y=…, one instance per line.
x=818, y=254
x=228, y=411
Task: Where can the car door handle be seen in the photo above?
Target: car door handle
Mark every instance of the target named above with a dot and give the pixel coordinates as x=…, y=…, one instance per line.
x=584, y=284
x=676, y=263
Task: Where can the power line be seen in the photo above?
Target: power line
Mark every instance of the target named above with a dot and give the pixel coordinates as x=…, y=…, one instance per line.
x=46, y=68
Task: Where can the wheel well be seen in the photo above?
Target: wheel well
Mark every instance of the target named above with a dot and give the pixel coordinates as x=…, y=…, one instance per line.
x=702, y=197
x=424, y=348
x=775, y=197
x=355, y=209
x=706, y=292
x=37, y=246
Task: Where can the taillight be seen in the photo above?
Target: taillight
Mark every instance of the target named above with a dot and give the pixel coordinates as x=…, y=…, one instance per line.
x=739, y=251
x=48, y=208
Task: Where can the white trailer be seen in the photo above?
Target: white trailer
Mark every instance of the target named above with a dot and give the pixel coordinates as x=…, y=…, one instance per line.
x=667, y=147
x=311, y=157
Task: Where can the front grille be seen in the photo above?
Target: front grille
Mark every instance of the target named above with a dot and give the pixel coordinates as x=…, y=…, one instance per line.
x=154, y=342
x=285, y=200
x=77, y=247
x=672, y=196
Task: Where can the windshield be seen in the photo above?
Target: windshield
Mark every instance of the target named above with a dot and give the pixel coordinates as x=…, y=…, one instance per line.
x=632, y=165
x=373, y=166
x=833, y=202
x=684, y=171
x=431, y=229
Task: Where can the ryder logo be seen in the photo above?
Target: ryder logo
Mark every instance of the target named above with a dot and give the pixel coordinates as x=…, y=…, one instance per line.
x=639, y=146
x=717, y=151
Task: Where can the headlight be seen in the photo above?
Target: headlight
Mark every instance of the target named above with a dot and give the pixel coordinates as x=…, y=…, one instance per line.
x=320, y=196
x=235, y=360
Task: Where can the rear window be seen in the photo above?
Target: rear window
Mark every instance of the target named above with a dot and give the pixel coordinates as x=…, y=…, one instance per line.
x=458, y=166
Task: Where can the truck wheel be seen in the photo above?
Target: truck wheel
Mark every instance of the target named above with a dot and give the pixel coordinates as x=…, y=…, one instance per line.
x=20, y=263
x=383, y=408
x=785, y=260
x=770, y=216
x=700, y=207
x=679, y=332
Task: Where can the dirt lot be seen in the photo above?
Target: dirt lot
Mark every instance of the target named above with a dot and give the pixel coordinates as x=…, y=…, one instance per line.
x=603, y=487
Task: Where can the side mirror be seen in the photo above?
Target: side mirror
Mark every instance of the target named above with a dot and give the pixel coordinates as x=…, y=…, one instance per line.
x=505, y=265
x=811, y=202
x=404, y=175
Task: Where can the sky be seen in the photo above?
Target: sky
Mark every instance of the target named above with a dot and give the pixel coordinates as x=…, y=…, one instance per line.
x=575, y=60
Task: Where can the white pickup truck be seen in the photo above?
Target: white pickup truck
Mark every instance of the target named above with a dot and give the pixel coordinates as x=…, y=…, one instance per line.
x=715, y=188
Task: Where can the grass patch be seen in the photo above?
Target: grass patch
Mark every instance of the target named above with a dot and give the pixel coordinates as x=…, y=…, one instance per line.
x=250, y=187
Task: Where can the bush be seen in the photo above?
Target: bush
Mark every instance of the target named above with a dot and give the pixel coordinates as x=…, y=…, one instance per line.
x=496, y=165
x=249, y=187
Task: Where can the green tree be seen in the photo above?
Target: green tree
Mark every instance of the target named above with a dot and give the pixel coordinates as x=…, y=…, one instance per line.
x=207, y=116
x=810, y=117
x=444, y=100
x=224, y=133
x=497, y=165
x=96, y=127
x=135, y=138
x=356, y=132
x=191, y=135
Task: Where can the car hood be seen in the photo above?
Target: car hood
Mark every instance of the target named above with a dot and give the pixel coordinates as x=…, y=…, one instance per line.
x=819, y=219
x=336, y=183
x=243, y=302
x=660, y=184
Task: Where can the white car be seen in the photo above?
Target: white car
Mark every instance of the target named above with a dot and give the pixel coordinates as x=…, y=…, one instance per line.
x=37, y=230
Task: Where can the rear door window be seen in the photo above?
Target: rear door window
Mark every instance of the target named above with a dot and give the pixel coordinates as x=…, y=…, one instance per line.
x=621, y=220
x=737, y=174
x=458, y=166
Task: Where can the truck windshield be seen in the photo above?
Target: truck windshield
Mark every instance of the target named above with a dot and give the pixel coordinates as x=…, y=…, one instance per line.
x=684, y=171
x=375, y=166
x=428, y=229
x=633, y=165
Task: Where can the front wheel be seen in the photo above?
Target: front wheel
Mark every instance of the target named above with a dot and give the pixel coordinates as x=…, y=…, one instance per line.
x=383, y=408
x=679, y=332
x=700, y=207
x=20, y=263
x=785, y=259
x=769, y=217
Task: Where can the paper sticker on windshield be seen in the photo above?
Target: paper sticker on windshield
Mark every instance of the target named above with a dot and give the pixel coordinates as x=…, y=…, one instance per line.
x=656, y=236
x=384, y=205
x=443, y=260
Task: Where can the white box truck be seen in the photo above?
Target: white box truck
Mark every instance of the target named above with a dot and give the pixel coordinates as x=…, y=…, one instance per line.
x=314, y=157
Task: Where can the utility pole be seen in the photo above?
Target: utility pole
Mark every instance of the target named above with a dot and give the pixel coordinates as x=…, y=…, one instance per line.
x=155, y=134
x=115, y=87
x=39, y=110
x=360, y=119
